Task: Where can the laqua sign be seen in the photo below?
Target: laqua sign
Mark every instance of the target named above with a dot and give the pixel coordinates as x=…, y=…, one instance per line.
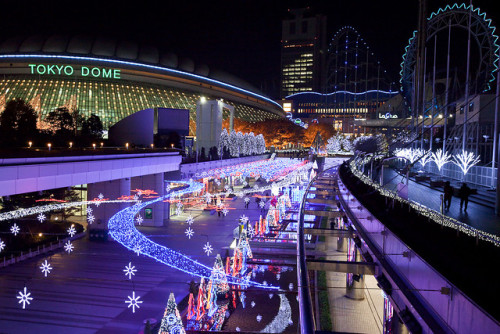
x=387, y=115
x=69, y=70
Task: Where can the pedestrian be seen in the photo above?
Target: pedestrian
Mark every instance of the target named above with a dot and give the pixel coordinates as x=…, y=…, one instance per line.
x=257, y=201
x=219, y=210
x=247, y=201
x=448, y=194
x=464, y=193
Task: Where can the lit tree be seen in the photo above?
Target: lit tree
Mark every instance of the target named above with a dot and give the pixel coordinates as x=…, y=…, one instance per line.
x=240, y=139
x=261, y=144
x=233, y=144
x=171, y=321
x=465, y=160
x=224, y=141
x=346, y=144
x=440, y=158
x=426, y=158
x=333, y=144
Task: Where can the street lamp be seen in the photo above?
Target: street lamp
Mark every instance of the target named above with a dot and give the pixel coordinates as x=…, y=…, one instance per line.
x=30, y=143
x=93, y=145
x=70, y=144
x=126, y=146
x=49, y=145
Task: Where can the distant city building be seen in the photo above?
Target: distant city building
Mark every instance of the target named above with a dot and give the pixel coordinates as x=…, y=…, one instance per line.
x=303, y=53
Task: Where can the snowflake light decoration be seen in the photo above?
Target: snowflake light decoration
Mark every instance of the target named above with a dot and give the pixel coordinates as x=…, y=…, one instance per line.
x=208, y=248
x=190, y=220
x=178, y=211
x=2, y=245
x=259, y=318
x=244, y=219
x=168, y=188
x=179, y=205
x=137, y=249
x=225, y=211
x=41, y=217
x=133, y=301
x=189, y=232
x=15, y=229
x=100, y=196
x=250, y=231
x=71, y=231
x=46, y=268
x=252, y=303
x=247, y=200
x=89, y=210
x=24, y=297
x=68, y=247
x=139, y=219
x=90, y=218
x=129, y=270
x=262, y=204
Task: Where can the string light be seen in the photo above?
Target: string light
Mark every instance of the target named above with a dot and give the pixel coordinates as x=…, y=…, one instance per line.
x=122, y=229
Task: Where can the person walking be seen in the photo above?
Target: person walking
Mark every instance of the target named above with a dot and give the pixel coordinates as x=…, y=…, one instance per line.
x=448, y=194
x=464, y=193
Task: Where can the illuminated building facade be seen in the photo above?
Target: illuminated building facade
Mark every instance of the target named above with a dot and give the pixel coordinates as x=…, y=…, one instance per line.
x=302, y=59
x=340, y=108
x=113, y=80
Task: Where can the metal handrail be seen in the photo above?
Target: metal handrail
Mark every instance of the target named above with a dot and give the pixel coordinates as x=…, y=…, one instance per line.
x=307, y=323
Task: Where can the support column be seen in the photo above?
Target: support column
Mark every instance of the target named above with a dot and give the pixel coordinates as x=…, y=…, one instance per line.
x=152, y=214
x=111, y=190
x=355, y=284
x=170, y=176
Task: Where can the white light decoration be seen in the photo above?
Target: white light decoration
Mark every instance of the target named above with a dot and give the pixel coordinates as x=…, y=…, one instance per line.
x=15, y=229
x=208, y=248
x=190, y=220
x=129, y=270
x=24, y=297
x=225, y=211
x=426, y=158
x=101, y=196
x=244, y=219
x=41, y=217
x=465, y=160
x=262, y=204
x=252, y=304
x=68, y=247
x=137, y=249
x=133, y=301
x=271, y=295
x=178, y=211
x=290, y=286
x=247, y=200
x=20, y=213
x=282, y=320
x=259, y=318
x=189, y=232
x=71, y=231
x=2, y=245
x=440, y=158
x=435, y=216
x=90, y=218
x=139, y=219
x=250, y=231
x=46, y=268
x=89, y=210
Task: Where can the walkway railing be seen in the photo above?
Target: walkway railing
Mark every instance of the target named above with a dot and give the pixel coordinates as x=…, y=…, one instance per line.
x=307, y=323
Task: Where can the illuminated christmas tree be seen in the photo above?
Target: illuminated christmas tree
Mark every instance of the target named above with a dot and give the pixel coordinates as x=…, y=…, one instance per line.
x=171, y=322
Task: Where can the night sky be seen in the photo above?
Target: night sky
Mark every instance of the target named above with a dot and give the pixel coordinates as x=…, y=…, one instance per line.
x=241, y=37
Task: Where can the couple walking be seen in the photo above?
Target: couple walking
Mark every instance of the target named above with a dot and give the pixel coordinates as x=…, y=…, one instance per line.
x=463, y=194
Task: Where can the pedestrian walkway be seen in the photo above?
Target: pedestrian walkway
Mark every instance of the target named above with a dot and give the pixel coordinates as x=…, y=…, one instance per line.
x=478, y=216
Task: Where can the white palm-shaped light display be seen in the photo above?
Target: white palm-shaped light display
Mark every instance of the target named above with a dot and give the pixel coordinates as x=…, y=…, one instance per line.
x=440, y=158
x=413, y=154
x=465, y=160
x=426, y=158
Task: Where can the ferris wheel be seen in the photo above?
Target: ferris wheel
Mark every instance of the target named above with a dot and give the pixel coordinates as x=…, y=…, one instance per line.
x=481, y=31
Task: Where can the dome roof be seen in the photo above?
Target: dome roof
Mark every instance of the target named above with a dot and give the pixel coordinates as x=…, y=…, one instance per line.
x=101, y=47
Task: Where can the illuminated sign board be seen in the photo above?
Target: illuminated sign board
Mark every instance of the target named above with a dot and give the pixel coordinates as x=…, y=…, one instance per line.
x=387, y=115
x=69, y=70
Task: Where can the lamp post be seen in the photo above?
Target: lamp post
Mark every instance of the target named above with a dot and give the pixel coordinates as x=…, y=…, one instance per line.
x=30, y=143
x=49, y=145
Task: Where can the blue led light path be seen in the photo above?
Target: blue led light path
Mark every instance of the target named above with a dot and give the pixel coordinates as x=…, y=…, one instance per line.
x=122, y=229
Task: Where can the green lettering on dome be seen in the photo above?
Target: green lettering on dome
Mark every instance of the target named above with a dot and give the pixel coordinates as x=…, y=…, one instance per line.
x=69, y=70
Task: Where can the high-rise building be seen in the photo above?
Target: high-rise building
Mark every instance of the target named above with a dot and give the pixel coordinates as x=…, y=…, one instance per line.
x=303, y=52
